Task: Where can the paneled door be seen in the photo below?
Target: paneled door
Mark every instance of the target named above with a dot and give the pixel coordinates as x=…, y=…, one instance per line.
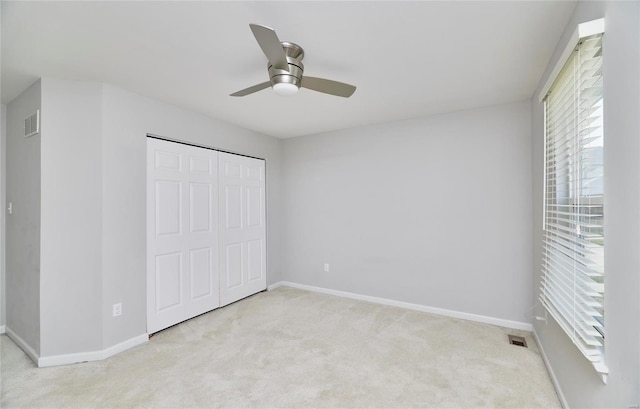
x=182, y=233
x=242, y=227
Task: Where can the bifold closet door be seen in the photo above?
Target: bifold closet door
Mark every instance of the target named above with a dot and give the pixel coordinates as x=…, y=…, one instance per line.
x=242, y=227
x=182, y=233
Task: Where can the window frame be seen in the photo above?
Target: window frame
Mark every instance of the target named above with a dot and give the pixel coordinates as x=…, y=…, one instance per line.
x=584, y=30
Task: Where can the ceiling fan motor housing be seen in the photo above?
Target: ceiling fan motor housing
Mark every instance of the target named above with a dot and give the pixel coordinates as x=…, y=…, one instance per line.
x=294, y=54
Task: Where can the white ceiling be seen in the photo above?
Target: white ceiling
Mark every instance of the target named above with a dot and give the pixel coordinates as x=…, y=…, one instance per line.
x=408, y=59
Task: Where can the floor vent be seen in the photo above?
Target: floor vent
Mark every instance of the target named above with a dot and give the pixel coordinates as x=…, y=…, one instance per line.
x=518, y=341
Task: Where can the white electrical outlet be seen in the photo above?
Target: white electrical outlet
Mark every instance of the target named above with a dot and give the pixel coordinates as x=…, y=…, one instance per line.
x=117, y=309
x=326, y=267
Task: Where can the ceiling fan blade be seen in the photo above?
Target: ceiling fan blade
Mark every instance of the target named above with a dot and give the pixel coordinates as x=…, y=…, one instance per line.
x=339, y=89
x=252, y=89
x=271, y=47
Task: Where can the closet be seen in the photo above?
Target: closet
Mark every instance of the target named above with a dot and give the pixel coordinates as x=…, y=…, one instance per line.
x=206, y=230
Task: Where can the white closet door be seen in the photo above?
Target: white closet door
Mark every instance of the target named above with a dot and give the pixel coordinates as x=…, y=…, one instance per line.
x=182, y=233
x=242, y=227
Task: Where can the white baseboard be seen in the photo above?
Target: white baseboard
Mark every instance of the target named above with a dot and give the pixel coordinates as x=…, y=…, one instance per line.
x=66, y=359
x=416, y=307
x=3, y=329
x=31, y=353
x=276, y=285
x=552, y=375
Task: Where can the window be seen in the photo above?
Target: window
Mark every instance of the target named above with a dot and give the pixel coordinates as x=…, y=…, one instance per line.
x=572, y=284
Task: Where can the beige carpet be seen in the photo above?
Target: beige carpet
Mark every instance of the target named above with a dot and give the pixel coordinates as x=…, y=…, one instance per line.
x=293, y=348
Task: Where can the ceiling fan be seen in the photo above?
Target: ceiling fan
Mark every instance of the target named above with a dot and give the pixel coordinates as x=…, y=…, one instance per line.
x=285, y=68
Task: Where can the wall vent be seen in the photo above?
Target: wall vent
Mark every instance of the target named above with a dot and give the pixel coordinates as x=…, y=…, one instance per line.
x=516, y=340
x=32, y=124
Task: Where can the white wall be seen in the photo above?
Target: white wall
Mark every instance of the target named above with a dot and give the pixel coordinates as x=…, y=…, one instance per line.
x=433, y=211
x=3, y=181
x=71, y=265
x=23, y=226
x=127, y=118
x=3, y=178
x=83, y=186
x=578, y=381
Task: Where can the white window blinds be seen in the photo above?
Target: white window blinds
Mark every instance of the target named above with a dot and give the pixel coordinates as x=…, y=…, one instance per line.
x=572, y=285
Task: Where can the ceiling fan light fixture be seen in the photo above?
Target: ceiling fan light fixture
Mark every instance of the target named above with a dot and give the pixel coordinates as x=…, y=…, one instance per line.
x=285, y=89
x=285, y=68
